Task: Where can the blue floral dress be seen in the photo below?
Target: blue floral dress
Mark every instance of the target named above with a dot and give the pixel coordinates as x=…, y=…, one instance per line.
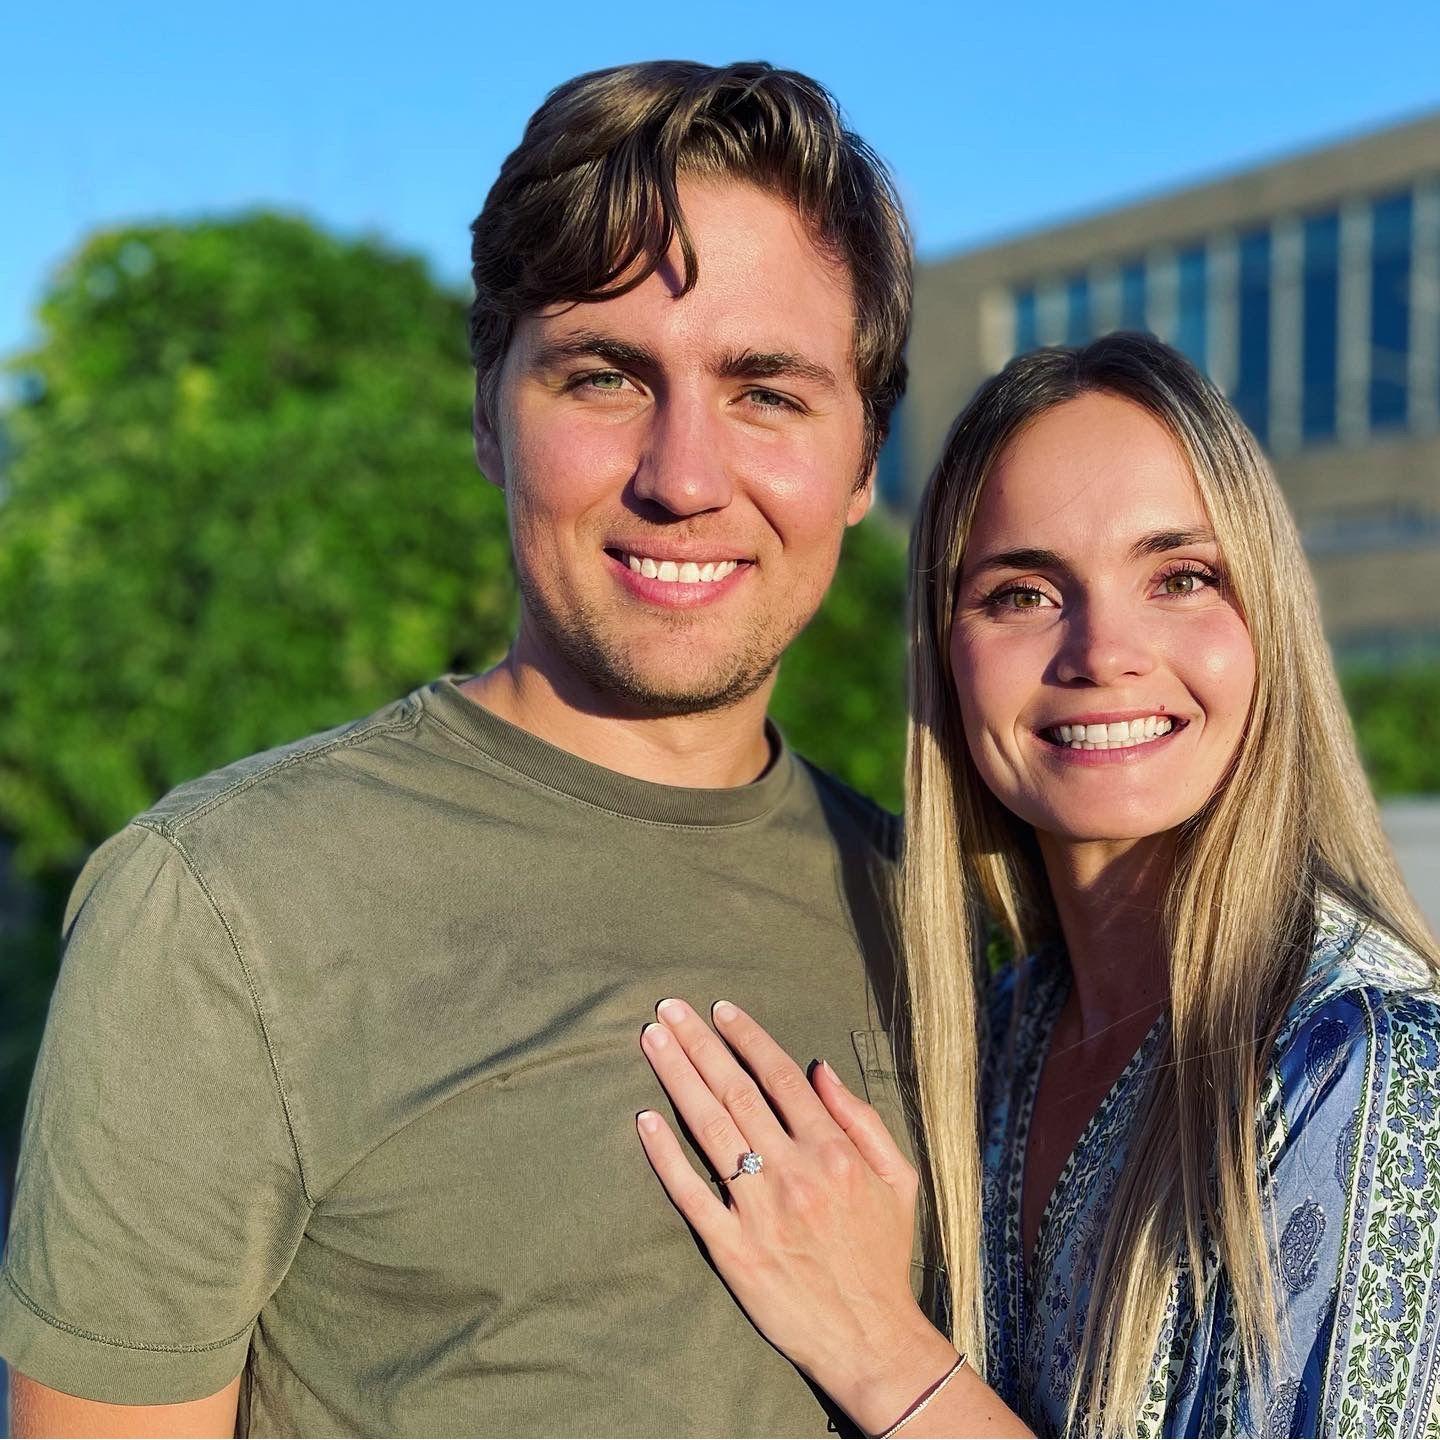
x=1350, y=1128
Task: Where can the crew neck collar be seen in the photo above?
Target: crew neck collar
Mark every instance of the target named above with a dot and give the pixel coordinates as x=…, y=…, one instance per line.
x=559, y=770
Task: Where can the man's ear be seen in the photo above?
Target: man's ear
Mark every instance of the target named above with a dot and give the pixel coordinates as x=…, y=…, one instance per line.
x=862, y=499
x=487, y=445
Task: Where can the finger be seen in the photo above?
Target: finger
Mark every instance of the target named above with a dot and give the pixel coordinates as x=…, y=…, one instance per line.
x=864, y=1126
x=783, y=1081
x=711, y=1124
x=726, y=1078
x=690, y=1195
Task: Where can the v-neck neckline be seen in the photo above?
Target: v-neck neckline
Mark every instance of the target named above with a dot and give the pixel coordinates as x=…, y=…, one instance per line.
x=1032, y=1270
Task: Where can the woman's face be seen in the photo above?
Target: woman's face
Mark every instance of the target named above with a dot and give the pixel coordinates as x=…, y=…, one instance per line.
x=1103, y=674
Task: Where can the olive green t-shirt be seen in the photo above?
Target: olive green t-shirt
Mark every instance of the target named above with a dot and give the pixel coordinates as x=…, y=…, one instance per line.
x=340, y=1074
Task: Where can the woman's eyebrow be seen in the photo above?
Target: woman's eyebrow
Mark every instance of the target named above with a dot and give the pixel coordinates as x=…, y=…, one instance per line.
x=1022, y=560
x=1159, y=542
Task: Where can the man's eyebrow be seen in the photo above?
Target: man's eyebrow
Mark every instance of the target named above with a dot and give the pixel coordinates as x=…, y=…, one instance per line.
x=592, y=345
x=775, y=365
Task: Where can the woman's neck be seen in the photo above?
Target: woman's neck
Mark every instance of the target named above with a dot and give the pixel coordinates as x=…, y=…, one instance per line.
x=1109, y=897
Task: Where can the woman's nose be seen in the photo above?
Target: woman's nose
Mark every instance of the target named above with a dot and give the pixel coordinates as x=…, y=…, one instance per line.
x=1104, y=643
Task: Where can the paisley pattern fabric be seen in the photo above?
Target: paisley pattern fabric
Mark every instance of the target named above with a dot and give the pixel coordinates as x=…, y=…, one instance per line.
x=1350, y=1128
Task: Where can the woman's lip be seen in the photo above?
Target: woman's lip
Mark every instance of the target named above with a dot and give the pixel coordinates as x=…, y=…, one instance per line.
x=1106, y=717
x=1122, y=755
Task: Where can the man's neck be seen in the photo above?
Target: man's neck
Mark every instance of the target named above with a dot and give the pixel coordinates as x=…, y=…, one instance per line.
x=713, y=750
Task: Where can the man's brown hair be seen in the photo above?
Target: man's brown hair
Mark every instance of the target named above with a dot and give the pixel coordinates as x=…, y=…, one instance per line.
x=586, y=207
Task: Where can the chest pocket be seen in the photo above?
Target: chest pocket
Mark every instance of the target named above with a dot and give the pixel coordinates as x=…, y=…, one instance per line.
x=883, y=1091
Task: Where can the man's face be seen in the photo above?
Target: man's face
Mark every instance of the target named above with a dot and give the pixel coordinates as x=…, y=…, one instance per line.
x=679, y=470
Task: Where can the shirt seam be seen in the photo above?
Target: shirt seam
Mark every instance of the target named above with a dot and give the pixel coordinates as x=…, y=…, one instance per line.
x=676, y=825
x=58, y=1324
x=352, y=736
x=195, y=874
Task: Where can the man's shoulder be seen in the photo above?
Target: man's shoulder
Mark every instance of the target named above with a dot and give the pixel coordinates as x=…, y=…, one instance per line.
x=299, y=777
x=853, y=818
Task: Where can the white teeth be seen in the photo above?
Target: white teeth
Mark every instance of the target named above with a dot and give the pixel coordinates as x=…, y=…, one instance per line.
x=1116, y=735
x=686, y=572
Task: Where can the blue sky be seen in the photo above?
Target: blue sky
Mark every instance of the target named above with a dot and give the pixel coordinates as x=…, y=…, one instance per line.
x=394, y=118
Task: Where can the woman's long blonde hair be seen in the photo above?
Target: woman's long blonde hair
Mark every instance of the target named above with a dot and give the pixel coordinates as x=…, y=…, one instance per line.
x=1293, y=817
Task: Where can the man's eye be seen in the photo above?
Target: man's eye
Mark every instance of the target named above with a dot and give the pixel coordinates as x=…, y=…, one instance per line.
x=770, y=400
x=603, y=380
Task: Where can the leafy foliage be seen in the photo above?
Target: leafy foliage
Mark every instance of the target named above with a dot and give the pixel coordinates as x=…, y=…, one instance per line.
x=1396, y=713
x=241, y=507
x=841, y=695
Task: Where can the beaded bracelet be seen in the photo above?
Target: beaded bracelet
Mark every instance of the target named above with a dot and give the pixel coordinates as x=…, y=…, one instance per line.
x=925, y=1399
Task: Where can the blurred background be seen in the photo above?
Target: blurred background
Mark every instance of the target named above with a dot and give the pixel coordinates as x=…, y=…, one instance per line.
x=237, y=500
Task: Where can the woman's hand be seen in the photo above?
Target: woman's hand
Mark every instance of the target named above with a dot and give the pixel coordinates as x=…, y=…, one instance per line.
x=816, y=1246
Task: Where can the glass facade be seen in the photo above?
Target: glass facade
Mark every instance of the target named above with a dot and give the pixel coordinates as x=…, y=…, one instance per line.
x=1281, y=326
x=1077, y=310
x=1390, y=247
x=1027, y=321
x=1132, y=296
x=1191, y=302
x=1252, y=368
x=1320, y=326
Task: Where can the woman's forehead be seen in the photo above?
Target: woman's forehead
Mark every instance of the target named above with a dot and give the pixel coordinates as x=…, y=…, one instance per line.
x=1095, y=470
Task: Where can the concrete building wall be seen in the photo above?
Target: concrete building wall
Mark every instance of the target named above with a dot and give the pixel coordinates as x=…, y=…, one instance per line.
x=1366, y=495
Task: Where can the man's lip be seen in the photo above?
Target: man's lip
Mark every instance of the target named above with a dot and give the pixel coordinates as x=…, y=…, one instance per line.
x=680, y=554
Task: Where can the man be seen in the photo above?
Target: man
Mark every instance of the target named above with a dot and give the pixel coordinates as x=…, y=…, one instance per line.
x=333, y=1126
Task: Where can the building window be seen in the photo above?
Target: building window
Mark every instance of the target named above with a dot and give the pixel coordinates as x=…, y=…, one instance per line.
x=1391, y=220
x=1319, y=325
x=1190, y=279
x=1132, y=296
x=1077, y=310
x=1252, y=377
x=1027, y=321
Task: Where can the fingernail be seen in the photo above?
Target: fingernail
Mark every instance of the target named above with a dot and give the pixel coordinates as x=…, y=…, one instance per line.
x=723, y=1010
x=654, y=1036
x=829, y=1069
x=670, y=1010
x=648, y=1121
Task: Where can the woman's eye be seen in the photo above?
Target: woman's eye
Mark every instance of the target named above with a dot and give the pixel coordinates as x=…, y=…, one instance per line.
x=1020, y=597
x=1185, y=582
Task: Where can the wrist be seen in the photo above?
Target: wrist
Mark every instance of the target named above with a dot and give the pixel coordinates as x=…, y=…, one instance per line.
x=877, y=1389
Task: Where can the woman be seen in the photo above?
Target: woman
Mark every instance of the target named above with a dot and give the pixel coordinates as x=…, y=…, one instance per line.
x=1184, y=1154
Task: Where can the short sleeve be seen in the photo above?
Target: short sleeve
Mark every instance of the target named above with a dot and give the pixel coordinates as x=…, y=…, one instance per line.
x=1356, y=1194
x=159, y=1198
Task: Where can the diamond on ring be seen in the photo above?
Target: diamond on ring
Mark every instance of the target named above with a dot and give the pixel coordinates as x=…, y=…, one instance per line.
x=750, y=1164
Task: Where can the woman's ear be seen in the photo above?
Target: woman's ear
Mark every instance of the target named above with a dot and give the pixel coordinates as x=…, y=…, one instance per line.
x=487, y=445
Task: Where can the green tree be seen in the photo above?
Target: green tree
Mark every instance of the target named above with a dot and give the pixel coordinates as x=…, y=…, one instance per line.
x=241, y=506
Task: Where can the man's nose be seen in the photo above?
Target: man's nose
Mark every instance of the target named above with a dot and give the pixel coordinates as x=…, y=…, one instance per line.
x=1104, y=642
x=684, y=466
